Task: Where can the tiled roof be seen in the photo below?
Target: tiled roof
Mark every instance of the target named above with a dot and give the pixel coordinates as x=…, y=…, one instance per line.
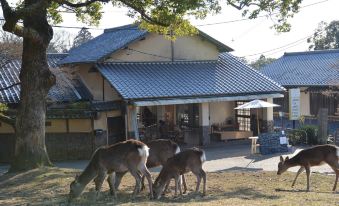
x=103, y=45
x=117, y=38
x=313, y=68
x=61, y=92
x=106, y=106
x=224, y=77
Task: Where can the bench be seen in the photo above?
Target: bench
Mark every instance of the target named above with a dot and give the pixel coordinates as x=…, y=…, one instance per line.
x=231, y=135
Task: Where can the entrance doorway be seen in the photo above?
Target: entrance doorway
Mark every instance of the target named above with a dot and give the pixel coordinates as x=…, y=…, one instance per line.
x=115, y=129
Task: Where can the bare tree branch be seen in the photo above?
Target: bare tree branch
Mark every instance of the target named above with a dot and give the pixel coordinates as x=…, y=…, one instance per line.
x=8, y=87
x=78, y=5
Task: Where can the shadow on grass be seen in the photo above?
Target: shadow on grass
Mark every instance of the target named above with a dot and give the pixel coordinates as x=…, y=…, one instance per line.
x=248, y=194
x=240, y=169
x=302, y=191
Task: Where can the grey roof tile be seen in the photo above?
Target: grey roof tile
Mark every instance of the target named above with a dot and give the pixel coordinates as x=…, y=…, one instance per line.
x=9, y=75
x=224, y=77
x=105, y=44
x=312, y=68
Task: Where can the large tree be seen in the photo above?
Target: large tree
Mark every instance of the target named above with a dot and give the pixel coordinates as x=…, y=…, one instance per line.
x=83, y=36
x=262, y=61
x=326, y=36
x=36, y=79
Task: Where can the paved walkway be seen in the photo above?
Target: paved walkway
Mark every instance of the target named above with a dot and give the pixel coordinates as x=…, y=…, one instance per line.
x=232, y=156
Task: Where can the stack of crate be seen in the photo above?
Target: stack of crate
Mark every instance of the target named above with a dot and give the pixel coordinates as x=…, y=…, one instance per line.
x=270, y=143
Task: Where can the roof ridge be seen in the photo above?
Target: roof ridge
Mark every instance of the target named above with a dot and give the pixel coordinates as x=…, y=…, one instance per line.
x=123, y=27
x=160, y=62
x=312, y=52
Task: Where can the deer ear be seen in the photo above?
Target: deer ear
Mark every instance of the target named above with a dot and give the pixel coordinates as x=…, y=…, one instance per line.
x=281, y=159
x=287, y=158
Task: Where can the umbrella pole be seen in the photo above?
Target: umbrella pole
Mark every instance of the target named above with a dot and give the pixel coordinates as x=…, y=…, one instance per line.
x=258, y=121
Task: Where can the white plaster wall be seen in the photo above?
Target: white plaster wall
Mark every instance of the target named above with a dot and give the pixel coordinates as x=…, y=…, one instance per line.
x=220, y=111
x=185, y=48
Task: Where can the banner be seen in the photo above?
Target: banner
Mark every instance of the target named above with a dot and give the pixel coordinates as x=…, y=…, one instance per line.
x=294, y=103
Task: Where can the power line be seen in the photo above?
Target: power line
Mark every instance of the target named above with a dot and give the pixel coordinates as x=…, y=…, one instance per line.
x=208, y=24
x=260, y=16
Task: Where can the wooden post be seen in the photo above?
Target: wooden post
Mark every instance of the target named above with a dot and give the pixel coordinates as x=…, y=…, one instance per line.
x=323, y=122
x=258, y=121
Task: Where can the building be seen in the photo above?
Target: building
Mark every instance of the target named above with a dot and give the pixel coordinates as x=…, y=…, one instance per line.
x=316, y=74
x=142, y=84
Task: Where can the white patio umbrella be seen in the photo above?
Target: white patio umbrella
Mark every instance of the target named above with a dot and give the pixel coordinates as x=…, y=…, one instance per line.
x=256, y=104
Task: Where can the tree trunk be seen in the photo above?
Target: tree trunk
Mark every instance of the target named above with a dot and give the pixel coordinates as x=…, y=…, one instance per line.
x=36, y=80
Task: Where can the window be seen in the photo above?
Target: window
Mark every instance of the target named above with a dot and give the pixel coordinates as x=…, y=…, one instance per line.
x=188, y=115
x=243, y=117
x=48, y=124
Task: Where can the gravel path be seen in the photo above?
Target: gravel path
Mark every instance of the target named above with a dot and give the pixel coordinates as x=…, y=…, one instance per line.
x=222, y=157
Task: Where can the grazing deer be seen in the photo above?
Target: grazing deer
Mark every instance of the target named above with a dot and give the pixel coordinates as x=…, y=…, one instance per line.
x=312, y=157
x=179, y=164
x=130, y=155
x=160, y=150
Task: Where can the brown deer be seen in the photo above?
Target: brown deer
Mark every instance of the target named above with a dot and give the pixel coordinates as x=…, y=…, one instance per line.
x=179, y=164
x=312, y=157
x=160, y=151
x=130, y=155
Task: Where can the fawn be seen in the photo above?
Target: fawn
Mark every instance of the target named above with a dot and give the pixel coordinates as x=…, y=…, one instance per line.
x=130, y=155
x=312, y=157
x=179, y=164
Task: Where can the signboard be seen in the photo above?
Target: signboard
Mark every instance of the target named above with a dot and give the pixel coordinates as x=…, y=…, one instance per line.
x=294, y=103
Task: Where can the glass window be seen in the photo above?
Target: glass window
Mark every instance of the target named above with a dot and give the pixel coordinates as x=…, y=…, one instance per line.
x=188, y=115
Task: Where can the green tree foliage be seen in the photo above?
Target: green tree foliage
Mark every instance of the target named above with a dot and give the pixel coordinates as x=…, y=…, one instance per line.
x=162, y=16
x=83, y=36
x=326, y=36
x=262, y=61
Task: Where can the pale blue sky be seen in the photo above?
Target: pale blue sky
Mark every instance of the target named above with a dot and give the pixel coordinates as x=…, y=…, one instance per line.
x=245, y=37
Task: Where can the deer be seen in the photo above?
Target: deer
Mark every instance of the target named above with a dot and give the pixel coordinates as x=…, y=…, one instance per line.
x=310, y=157
x=160, y=151
x=181, y=163
x=130, y=155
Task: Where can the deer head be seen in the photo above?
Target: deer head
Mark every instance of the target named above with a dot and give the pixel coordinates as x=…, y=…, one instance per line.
x=75, y=188
x=282, y=166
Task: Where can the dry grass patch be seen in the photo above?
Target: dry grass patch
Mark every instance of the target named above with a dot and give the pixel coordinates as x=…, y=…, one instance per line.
x=50, y=186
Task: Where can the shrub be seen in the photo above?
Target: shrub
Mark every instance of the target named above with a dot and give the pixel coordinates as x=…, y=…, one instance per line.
x=312, y=134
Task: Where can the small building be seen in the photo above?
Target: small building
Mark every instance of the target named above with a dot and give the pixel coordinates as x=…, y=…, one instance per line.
x=316, y=74
x=135, y=84
x=192, y=83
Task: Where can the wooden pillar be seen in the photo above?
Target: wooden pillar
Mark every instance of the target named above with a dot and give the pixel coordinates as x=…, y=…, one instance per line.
x=132, y=122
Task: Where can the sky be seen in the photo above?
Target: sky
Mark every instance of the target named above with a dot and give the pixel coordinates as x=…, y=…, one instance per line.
x=248, y=38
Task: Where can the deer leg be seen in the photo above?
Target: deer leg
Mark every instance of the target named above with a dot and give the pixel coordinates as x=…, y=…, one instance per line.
x=179, y=184
x=99, y=180
x=143, y=182
x=111, y=182
x=118, y=177
x=308, y=172
x=301, y=169
x=137, y=177
x=184, y=183
x=148, y=176
x=335, y=168
x=203, y=174
x=176, y=180
x=198, y=182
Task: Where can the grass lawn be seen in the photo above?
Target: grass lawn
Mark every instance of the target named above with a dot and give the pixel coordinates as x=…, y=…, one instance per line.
x=50, y=186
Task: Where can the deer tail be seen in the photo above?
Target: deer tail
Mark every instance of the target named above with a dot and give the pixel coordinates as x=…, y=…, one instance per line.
x=203, y=156
x=177, y=149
